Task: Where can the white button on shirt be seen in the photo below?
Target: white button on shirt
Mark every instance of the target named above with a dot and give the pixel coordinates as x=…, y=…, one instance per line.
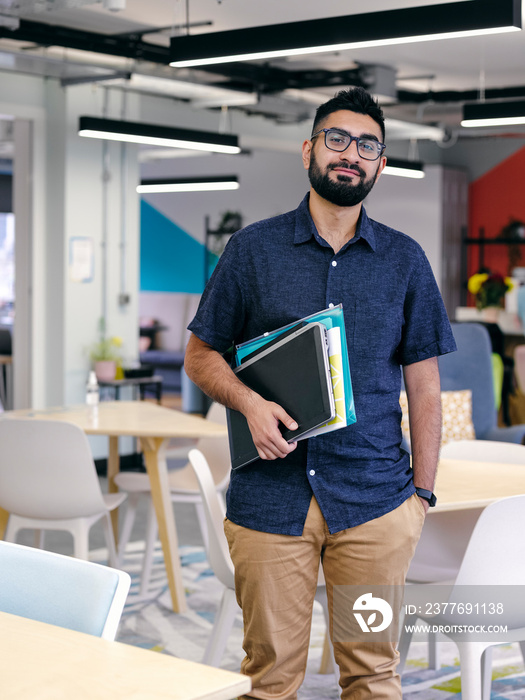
x=312, y=472
x=334, y=263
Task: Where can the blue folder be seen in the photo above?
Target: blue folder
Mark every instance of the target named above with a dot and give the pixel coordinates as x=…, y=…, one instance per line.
x=332, y=317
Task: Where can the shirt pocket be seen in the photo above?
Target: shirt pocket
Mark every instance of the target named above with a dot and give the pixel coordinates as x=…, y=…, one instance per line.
x=377, y=328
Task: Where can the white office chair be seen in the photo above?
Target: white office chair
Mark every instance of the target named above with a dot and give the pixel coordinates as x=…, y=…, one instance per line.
x=61, y=590
x=445, y=536
x=495, y=556
x=184, y=488
x=48, y=481
x=222, y=566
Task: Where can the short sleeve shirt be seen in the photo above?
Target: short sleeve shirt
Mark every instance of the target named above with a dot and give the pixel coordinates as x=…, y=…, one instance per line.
x=279, y=270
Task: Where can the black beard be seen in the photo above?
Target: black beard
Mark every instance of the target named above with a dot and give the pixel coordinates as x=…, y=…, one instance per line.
x=341, y=192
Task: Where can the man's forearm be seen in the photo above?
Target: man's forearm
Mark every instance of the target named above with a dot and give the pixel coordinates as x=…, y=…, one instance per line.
x=425, y=439
x=208, y=369
x=424, y=403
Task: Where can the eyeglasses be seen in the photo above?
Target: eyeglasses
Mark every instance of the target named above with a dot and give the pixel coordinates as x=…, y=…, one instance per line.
x=336, y=140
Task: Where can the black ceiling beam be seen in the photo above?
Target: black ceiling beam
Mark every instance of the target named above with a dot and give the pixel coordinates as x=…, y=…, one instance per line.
x=265, y=78
x=55, y=35
x=255, y=76
x=169, y=27
x=459, y=96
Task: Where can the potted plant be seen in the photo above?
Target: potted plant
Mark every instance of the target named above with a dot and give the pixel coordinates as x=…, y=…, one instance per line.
x=105, y=355
x=489, y=289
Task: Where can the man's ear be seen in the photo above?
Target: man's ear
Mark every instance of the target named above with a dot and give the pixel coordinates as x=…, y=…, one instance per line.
x=307, y=149
x=381, y=168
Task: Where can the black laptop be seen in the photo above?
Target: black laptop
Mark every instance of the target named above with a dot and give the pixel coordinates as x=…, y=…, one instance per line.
x=295, y=373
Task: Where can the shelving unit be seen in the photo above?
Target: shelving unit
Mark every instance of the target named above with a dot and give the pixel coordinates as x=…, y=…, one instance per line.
x=215, y=242
x=481, y=241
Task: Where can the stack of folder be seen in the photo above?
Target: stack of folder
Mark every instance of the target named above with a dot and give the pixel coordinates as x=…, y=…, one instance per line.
x=302, y=367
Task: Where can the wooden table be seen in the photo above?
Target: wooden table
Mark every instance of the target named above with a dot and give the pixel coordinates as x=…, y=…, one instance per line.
x=154, y=425
x=38, y=660
x=465, y=484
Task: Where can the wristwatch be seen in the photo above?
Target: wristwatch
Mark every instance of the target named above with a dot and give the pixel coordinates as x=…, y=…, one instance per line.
x=427, y=496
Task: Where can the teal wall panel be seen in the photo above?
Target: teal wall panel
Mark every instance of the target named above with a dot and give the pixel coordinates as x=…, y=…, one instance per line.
x=171, y=260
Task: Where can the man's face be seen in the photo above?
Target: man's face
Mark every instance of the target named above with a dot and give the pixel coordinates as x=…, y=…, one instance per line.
x=343, y=178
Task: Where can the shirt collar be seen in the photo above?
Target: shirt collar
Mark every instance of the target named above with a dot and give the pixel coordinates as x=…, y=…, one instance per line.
x=305, y=227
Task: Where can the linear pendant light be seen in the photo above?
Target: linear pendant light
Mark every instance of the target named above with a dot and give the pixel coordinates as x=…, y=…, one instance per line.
x=402, y=26
x=494, y=114
x=404, y=168
x=189, y=184
x=154, y=135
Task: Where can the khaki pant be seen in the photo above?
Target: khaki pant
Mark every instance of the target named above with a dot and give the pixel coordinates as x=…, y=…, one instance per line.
x=276, y=581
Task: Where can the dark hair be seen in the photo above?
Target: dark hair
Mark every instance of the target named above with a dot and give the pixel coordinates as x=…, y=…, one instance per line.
x=355, y=99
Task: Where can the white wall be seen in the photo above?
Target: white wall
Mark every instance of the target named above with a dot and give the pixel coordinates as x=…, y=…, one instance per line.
x=87, y=215
x=66, y=186
x=413, y=207
x=270, y=183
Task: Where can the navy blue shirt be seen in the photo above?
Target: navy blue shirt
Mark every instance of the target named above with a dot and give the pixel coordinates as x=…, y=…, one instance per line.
x=279, y=270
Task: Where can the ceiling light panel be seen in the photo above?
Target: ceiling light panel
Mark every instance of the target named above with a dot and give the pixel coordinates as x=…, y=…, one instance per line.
x=485, y=114
x=154, y=135
x=453, y=20
x=189, y=184
x=404, y=168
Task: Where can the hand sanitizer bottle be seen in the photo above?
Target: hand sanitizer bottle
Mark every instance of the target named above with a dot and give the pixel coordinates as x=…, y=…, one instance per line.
x=92, y=391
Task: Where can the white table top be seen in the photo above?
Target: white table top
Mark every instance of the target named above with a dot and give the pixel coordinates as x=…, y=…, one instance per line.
x=463, y=484
x=42, y=661
x=134, y=418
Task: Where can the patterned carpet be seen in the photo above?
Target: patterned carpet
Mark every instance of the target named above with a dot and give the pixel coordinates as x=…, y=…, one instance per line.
x=149, y=623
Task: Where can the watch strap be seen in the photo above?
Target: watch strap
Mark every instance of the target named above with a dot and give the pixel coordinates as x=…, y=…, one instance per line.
x=427, y=496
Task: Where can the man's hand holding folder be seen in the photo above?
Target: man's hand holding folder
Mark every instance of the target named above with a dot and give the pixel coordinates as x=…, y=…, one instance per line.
x=294, y=375
x=263, y=419
x=263, y=416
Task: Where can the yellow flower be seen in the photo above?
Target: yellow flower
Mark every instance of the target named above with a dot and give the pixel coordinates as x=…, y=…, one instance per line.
x=475, y=282
x=116, y=340
x=508, y=282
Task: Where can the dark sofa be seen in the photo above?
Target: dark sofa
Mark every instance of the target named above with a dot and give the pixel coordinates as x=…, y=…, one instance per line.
x=168, y=364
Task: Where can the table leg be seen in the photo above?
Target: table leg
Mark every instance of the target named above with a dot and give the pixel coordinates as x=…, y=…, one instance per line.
x=9, y=386
x=4, y=517
x=113, y=470
x=154, y=458
x=3, y=387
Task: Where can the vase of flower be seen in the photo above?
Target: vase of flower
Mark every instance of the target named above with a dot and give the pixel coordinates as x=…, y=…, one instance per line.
x=105, y=370
x=490, y=314
x=105, y=355
x=489, y=291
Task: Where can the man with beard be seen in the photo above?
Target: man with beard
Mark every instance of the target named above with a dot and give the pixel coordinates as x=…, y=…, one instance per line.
x=347, y=498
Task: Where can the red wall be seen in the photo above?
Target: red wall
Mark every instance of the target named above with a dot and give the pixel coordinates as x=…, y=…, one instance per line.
x=494, y=199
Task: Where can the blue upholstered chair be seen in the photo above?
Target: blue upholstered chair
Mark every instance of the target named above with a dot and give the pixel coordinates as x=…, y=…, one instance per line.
x=61, y=590
x=471, y=368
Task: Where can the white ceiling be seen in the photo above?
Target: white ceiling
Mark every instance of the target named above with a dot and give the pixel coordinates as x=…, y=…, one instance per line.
x=460, y=64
